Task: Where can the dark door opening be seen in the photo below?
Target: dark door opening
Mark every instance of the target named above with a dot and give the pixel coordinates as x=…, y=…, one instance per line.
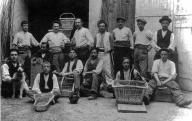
x=41, y=13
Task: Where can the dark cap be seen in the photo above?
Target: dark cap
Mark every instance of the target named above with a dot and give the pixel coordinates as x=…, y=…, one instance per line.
x=164, y=49
x=120, y=18
x=142, y=20
x=165, y=18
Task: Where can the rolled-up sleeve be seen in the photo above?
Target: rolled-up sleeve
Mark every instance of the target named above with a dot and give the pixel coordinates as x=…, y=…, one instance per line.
x=55, y=83
x=89, y=37
x=5, y=72
x=172, y=42
x=36, y=84
x=79, y=66
x=45, y=38
x=155, y=67
x=99, y=67
x=173, y=69
x=33, y=40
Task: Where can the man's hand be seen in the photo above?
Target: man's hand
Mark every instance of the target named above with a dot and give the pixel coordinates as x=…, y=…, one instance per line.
x=159, y=83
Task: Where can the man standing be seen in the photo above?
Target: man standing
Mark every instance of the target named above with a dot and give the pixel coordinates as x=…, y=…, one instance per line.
x=7, y=71
x=92, y=75
x=123, y=42
x=73, y=68
x=83, y=40
x=164, y=38
x=56, y=41
x=164, y=74
x=24, y=41
x=104, y=42
x=142, y=39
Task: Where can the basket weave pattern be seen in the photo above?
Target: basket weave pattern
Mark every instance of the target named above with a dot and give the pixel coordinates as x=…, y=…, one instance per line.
x=66, y=87
x=130, y=91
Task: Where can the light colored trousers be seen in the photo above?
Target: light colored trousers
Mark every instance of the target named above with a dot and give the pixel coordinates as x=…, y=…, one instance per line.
x=107, y=67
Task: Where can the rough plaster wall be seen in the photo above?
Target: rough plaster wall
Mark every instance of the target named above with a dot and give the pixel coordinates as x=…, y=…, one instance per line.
x=20, y=13
x=94, y=15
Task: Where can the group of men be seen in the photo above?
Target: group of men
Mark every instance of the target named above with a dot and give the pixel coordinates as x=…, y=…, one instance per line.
x=92, y=61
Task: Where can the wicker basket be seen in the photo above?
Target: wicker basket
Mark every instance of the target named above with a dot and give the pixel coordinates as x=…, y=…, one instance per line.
x=42, y=101
x=67, y=21
x=67, y=87
x=129, y=91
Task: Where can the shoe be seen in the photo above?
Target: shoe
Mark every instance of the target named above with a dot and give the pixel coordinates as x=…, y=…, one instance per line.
x=146, y=100
x=187, y=104
x=92, y=97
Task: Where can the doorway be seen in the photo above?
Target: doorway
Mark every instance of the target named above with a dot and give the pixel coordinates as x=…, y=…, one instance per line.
x=41, y=13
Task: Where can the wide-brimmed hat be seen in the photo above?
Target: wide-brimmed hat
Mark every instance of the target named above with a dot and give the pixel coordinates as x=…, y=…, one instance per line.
x=120, y=18
x=165, y=18
x=141, y=20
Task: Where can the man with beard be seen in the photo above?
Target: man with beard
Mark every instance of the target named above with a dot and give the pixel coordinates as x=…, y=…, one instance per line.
x=92, y=75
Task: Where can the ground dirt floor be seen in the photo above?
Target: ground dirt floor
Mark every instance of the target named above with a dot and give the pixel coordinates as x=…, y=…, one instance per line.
x=102, y=109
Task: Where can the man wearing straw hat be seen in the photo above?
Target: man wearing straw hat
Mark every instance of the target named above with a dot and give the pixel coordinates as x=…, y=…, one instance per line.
x=83, y=40
x=142, y=45
x=123, y=42
x=164, y=38
x=56, y=41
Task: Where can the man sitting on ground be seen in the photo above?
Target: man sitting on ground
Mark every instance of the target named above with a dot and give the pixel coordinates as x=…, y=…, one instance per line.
x=92, y=75
x=73, y=68
x=164, y=74
x=7, y=70
x=46, y=82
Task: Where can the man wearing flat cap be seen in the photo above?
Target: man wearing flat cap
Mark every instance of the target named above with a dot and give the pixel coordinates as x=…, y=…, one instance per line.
x=164, y=74
x=142, y=44
x=164, y=38
x=123, y=42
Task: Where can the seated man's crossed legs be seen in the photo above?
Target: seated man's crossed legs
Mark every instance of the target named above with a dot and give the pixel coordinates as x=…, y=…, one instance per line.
x=178, y=96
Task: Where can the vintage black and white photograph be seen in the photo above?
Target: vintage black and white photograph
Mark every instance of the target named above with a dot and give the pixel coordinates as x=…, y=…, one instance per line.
x=96, y=60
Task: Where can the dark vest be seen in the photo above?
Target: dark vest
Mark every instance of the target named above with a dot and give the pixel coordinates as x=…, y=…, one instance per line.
x=12, y=69
x=163, y=42
x=122, y=77
x=74, y=65
x=92, y=66
x=49, y=83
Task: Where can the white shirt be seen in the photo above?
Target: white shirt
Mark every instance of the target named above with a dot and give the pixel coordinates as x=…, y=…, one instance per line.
x=164, y=69
x=83, y=37
x=56, y=41
x=24, y=39
x=5, y=72
x=36, y=86
x=78, y=68
x=123, y=34
x=172, y=41
x=143, y=37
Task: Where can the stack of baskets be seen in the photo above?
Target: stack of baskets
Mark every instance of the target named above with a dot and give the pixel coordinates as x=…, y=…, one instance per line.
x=130, y=91
x=67, y=87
